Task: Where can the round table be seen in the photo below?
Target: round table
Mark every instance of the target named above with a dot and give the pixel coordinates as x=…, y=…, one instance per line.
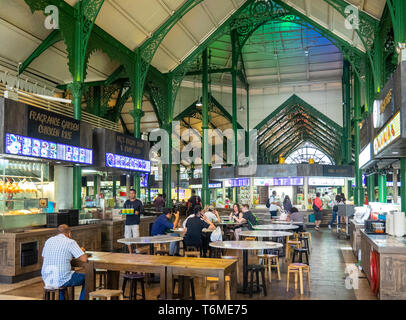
x=276, y=227
x=287, y=222
x=265, y=234
x=245, y=246
x=150, y=240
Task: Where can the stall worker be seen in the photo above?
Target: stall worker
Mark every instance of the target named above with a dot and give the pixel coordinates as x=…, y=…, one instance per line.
x=57, y=254
x=132, y=221
x=163, y=225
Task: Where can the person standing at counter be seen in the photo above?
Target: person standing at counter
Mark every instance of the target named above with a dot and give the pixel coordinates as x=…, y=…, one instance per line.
x=132, y=221
x=335, y=210
x=58, y=253
x=317, y=208
x=287, y=205
x=273, y=204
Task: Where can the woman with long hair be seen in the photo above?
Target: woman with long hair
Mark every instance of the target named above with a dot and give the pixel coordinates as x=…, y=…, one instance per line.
x=287, y=204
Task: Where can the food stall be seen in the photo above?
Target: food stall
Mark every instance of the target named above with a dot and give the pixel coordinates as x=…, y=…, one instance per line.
x=38, y=149
x=117, y=155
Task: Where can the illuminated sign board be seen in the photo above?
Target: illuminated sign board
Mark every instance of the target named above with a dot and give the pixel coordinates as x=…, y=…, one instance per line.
x=291, y=181
x=388, y=135
x=128, y=163
x=237, y=183
x=329, y=182
x=211, y=186
x=365, y=156
x=30, y=147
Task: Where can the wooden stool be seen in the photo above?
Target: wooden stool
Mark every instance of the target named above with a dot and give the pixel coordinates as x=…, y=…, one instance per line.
x=49, y=293
x=102, y=273
x=192, y=289
x=161, y=249
x=271, y=261
x=134, y=278
x=106, y=294
x=190, y=251
x=256, y=268
x=300, y=252
x=309, y=236
x=289, y=245
x=213, y=281
x=298, y=269
x=250, y=239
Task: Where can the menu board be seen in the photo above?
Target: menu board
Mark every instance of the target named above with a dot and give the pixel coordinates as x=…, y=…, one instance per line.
x=290, y=181
x=237, y=183
x=30, y=147
x=389, y=134
x=144, y=180
x=122, y=162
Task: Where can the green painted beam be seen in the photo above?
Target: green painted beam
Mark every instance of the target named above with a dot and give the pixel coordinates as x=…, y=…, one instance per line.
x=54, y=37
x=211, y=71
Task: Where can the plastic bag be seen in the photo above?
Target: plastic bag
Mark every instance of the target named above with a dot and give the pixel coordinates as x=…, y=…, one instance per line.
x=216, y=235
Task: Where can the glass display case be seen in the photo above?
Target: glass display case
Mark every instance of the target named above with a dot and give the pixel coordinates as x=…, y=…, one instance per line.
x=24, y=193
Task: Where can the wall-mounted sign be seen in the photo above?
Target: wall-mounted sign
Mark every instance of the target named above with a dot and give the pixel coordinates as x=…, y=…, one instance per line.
x=211, y=186
x=237, y=183
x=144, y=180
x=291, y=181
x=365, y=156
x=388, y=135
x=50, y=126
x=122, y=162
x=329, y=182
x=131, y=147
x=25, y=146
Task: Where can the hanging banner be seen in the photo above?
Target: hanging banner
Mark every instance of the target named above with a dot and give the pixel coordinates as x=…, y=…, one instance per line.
x=390, y=133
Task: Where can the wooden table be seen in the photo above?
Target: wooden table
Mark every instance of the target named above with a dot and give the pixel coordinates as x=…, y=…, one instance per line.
x=276, y=227
x=166, y=266
x=150, y=240
x=245, y=246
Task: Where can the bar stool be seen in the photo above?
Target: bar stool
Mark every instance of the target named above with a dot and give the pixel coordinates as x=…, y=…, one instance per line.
x=49, y=293
x=134, y=278
x=290, y=244
x=161, y=249
x=102, y=273
x=303, y=249
x=309, y=236
x=256, y=268
x=191, y=251
x=106, y=294
x=271, y=261
x=298, y=269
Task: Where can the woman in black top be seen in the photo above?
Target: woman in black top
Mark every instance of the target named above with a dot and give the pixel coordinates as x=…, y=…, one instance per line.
x=287, y=204
x=236, y=212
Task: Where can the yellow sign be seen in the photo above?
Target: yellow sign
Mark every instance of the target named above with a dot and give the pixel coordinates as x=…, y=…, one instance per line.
x=386, y=101
x=311, y=161
x=389, y=134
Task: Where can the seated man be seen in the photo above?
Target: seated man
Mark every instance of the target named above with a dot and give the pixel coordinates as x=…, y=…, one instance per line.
x=58, y=253
x=248, y=217
x=296, y=216
x=212, y=214
x=194, y=227
x=163, y=224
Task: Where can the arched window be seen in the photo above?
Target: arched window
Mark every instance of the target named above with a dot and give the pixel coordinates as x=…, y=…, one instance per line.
x=308, y=151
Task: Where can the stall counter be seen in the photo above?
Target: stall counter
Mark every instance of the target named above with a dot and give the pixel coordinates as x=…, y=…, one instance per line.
x=355, y=235
x=12, y=267
x=392, y=262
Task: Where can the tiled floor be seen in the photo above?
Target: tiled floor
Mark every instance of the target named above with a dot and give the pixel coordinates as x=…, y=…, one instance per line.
x=329, y=259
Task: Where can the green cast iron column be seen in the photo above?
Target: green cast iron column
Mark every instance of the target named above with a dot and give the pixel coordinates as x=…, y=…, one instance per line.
x=358, y=191
x=350, y=192
x=234, y=39
x=403, y=184
x=371, y=188
x=347, y=112
x=95, y=186
x=205, y=127
x=177, y=181
x=114, y=186
x=247, y=135
x=382, y=187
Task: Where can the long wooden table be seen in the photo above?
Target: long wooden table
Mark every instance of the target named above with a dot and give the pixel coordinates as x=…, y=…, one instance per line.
x=165, y=266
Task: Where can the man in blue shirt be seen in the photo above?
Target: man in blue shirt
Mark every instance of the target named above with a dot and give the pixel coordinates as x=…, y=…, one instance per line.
x=163, y=224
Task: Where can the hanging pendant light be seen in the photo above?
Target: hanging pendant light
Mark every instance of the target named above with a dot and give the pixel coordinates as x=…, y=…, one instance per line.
x=199, y=103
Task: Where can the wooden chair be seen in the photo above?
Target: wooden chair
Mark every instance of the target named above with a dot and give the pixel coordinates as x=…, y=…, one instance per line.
x=190, y=251
x=298, y=269
x=271, y=261
x=106, y=294
x=211, y=282
x=161, y=249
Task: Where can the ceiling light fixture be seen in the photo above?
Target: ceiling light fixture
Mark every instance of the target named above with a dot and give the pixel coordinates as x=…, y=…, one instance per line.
x=199, y=103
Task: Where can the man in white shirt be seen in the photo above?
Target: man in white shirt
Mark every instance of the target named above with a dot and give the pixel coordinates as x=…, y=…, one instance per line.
x=212, y=215
x=273, y=209
x=58, y=253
